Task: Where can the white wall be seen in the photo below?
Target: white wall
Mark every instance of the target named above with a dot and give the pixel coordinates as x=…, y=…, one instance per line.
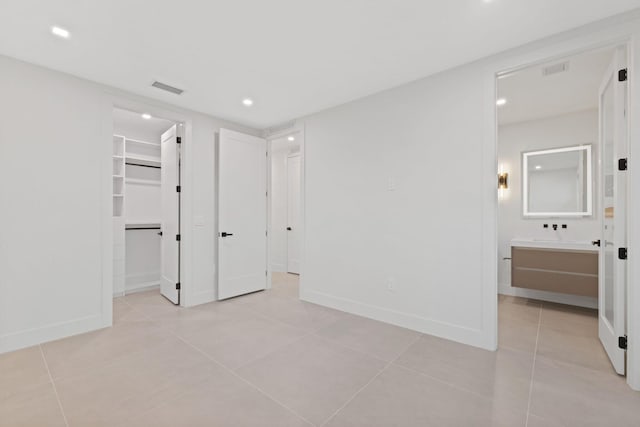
x=394, y=192
x=513, y=139
x=55, y=166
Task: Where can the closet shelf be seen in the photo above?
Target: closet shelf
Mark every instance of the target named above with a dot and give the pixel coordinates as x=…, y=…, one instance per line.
x=140, y=142
x=142, y=223
x=142, y=160
x=139, y=181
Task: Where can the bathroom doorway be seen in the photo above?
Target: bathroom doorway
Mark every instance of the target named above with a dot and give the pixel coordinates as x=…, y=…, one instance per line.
x=562, y=150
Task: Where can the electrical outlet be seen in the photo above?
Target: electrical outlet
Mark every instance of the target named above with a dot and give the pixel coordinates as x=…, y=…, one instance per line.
x=391, y=284
x=391, y=186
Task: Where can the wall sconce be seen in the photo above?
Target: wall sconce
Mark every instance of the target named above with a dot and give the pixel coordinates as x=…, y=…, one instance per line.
x=503, y=181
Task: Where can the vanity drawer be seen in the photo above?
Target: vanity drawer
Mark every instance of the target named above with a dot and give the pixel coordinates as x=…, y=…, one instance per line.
x=555, y=259
x=554, y=270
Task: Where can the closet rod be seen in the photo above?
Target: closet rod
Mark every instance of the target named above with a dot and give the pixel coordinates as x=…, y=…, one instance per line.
x=144, y=166
x=142, y=228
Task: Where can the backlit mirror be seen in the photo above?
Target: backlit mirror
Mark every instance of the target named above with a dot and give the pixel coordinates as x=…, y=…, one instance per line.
x=557, y=182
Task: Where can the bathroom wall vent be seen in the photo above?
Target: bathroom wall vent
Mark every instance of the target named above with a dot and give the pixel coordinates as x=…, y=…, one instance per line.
x=555, y=69
x=166, y=87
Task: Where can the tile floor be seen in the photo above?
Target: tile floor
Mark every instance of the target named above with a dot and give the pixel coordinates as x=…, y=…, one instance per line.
x=268, y=359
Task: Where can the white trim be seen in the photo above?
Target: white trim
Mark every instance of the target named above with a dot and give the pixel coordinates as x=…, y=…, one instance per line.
x=30, y=337
x=449, y=331
x=607, y=34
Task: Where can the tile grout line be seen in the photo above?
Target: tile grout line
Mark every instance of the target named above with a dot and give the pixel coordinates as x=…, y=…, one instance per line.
x=235, y=374
x=415, y=340
x=533, y=367
x=53, y=384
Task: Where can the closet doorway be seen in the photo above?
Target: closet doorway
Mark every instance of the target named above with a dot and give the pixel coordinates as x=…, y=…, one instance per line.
x=146, y=204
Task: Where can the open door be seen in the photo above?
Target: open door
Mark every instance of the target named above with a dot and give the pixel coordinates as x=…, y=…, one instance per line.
x=613, y=152
x=242, y=214
x=293, y=214
x=170, y=246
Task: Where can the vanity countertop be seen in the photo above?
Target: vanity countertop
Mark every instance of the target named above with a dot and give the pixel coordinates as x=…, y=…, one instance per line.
x=579, y=245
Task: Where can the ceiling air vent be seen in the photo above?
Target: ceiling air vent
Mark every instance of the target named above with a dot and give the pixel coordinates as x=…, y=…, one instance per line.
x=167, y=87
x=555, y=69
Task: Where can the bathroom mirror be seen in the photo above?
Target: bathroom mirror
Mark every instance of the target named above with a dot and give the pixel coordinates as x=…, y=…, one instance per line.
x=557, y=182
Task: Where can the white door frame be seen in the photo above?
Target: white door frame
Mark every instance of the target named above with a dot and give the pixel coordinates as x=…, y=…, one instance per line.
x=156, y=110
x=298, y=130
x=624, y=34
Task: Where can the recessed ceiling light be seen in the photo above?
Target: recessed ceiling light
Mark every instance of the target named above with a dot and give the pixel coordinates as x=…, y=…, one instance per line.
x=538, y=167
x=60, y=32
x=247, y=102
x=500, y=102
x=291, y=138
x=146, y=116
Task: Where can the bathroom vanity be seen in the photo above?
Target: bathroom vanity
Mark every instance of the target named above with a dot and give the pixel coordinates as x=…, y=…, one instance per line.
x=567, y=267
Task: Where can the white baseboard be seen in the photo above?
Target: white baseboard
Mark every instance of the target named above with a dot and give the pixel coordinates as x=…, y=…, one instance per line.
x=473, y=337
x=576, y=300
x=141, y=287
x=31, y=337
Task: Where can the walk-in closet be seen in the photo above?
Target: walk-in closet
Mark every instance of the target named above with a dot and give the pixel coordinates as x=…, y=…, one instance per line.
x=138, y=199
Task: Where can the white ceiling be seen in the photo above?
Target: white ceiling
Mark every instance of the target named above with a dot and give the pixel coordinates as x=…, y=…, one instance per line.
x=530, y=95
x=293, y=57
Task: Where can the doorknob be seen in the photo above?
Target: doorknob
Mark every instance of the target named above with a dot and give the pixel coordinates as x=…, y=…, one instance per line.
x=288, y=228
x=596, y=243
x=160, y=234
x=225, y=234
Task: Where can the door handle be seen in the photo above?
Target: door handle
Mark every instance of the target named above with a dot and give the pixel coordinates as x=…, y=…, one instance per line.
x=288, y=228
x=225, y=234
x=596, y=243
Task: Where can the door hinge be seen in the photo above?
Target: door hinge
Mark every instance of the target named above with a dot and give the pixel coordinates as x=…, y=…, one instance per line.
x=177, y=237
x=178, y=188
x=178, y=286
x=179, y=140
x=622, y=342
x=622, y=253
x=622, y=75
x=622, y=164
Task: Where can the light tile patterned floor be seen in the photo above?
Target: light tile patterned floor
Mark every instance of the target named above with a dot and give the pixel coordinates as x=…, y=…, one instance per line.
x=268, y=359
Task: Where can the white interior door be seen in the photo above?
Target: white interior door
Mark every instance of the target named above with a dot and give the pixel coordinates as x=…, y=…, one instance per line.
x=612, y=274
x=170, y=247
x=242, y=214
x=293, y=214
